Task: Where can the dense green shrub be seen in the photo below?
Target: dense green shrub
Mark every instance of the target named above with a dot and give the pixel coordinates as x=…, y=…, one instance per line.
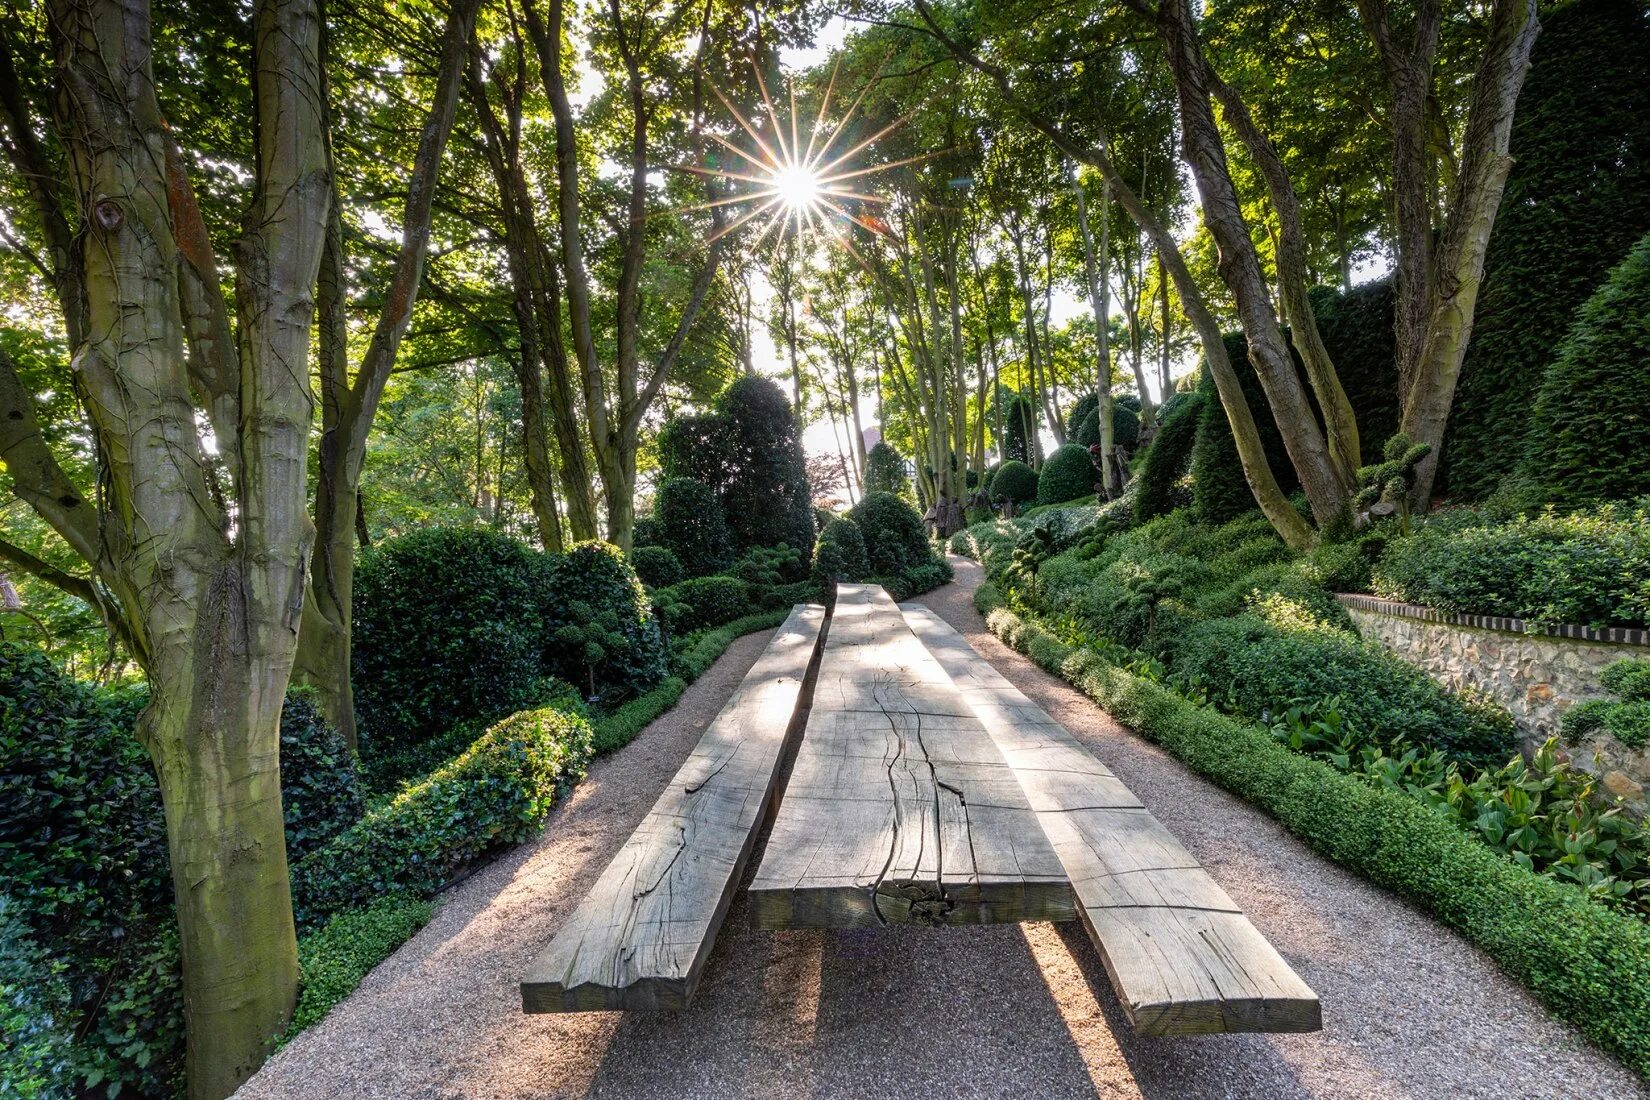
x=840, y=554
x=497, y=792
x=656, y=566
x=1589, y=963
x=765, y=497
x=600, y=629
x=885, y=471
x=448, y=625
x=36, y=1056
x=1626, y=717
x=894, y=538
x=83, y=862
x=769, y=566
x=1590, y=568
x=1577, y=198
x=692, y=527
x=1357, y=331
x=1020, y=442
x=1167, y=459
x=1015, y=482
x=914, y=580
x=1256, y=665
x=334, y=958
x=321, y=793
x=1589, y=433
x=1068, y=474
x=702, y=602
x=748, y=451
x=1125, y=424
x=1220, y=490
x=647, y=532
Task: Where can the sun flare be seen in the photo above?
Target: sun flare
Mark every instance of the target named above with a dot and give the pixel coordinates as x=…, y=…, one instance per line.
x=797, y=186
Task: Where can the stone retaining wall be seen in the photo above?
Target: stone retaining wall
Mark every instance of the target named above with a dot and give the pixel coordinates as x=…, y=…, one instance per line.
x=1535, y=671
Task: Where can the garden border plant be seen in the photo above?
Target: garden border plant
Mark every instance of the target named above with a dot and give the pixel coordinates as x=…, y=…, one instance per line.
x=1588, y=963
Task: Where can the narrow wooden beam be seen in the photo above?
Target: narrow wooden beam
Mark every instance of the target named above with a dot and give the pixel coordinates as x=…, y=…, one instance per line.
x=1182, y=957
x=900, y=808
x=640, y=939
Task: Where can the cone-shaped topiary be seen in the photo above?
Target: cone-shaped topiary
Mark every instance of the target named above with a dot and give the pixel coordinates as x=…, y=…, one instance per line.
x=1589, y=433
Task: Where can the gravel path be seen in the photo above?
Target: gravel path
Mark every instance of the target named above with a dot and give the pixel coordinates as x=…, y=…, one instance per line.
x=1410, y=1010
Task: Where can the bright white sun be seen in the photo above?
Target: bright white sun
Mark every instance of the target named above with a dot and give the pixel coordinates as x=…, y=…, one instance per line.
x=796, y=186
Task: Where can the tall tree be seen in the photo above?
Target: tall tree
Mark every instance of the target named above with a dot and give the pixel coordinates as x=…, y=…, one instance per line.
x=198, y=556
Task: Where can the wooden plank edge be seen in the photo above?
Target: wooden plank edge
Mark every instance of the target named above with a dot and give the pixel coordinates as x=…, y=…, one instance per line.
x=675, y=994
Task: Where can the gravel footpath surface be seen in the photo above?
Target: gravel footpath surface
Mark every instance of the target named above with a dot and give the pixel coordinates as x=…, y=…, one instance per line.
x=1410, y=1010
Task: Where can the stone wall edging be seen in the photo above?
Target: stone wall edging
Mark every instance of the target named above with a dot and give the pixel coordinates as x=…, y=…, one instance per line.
x=1613, y=635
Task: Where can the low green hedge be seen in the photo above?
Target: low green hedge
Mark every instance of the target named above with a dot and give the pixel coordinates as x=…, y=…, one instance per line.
x=702, y=602
x=692, y=656
x=497, y=792
x=334, y=958
x=1588, y=963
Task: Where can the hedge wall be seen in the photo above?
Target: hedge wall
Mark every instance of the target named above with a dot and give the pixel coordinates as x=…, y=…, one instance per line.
x=1577, y=199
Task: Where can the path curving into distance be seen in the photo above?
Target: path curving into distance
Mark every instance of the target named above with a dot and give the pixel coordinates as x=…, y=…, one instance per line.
x=1410, y=1009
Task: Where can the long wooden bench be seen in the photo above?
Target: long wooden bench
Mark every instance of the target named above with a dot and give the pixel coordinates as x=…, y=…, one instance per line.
x=1180, y=954
x=639, y=940
x=900, y=807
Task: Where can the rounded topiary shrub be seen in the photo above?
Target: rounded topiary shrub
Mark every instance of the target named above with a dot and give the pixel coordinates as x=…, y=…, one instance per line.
x=1168, y=457
x=885, y=471
x=1016, y=482
x=1068, y=474
x=656, y=566
x=692, y=527
x=702, y=602
x=892, y=531
x=602, y=636
x=840, y=553
x=448, y=626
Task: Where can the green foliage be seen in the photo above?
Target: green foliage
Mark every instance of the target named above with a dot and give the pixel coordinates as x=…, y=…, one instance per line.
x=1068, y=474
x=1125, y=424
x=1589, y=568
x=1626, y=718
x=1014, y=481
x=894, y=538
x=83, y=860
x=36, y=1054
x=748, y=452
x=692, y=527
x=690, y=658
x=656, y=566
x=1220, y=489
x=702, y=602
x=1589, y=434
x=1357, y=331
x=885, y=471
x=1167, y=459
x=769, y=566
x=914, y=580
x=334, y=958
x=840, y=554
x=497, y=792
x=1590, y=964
x=448, y=625
x=1577, y=198
x=1254, y=665
x=1019, y=442
x=600, y=625
x=1389, y=480
x=647, y=532
x=321, y=793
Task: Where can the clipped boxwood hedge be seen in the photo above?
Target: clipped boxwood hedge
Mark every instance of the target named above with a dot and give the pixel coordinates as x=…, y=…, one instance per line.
x=497, y=792
x=1587, y=963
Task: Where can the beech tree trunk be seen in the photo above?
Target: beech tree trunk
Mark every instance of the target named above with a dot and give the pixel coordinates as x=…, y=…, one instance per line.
x=1098, y=300
x=209, y=607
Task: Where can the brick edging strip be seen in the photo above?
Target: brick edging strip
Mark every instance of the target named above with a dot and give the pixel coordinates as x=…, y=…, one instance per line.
x=1613, y=635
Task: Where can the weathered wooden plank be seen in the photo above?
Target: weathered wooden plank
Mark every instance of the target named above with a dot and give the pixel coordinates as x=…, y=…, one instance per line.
x=899, y=808
x=639, y=940
x=1180, y=954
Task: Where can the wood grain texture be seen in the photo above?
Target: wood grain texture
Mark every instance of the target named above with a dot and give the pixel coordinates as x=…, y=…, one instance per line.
x=900, y=808
x=1181, y=956
x=639, y=940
